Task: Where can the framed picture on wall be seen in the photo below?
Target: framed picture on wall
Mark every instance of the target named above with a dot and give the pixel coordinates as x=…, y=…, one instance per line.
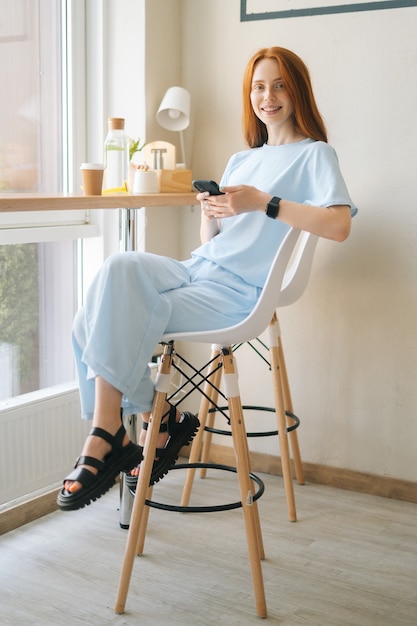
x=278, y=9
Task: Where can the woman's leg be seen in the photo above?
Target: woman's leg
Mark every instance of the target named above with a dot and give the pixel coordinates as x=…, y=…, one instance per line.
x=106, y=416
x=118, y=329
x=107, y=451
x=163, y=436
x=114, y=337
x=133, y=301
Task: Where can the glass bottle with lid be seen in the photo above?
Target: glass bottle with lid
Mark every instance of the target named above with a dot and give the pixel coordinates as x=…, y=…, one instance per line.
x=116, y=155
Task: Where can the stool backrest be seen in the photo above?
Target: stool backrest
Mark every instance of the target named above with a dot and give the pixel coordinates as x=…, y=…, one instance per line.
x=256, y=322
x=298, y=270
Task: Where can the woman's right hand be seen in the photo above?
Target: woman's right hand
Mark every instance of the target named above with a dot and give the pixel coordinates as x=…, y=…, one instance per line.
x=206, y=210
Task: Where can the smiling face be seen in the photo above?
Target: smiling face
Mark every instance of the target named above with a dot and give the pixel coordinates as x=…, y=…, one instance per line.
x=271, y=101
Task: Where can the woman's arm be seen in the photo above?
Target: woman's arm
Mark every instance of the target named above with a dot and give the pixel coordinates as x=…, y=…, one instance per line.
x=329, y=222
x=209, y=226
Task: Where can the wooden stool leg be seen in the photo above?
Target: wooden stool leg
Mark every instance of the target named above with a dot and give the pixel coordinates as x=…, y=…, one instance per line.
x=208, y=436
x=135, y=527
x=214, y=375
x=296, y=455
x=282, y=422
x=250, y=510
x=261, y=549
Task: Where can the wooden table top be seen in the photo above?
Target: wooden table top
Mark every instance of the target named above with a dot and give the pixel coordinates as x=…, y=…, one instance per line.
x=14, y=202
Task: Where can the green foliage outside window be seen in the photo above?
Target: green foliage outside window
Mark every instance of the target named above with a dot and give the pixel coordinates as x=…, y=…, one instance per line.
x=19, y=308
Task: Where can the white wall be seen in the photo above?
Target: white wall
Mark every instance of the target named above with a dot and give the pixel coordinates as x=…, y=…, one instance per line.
x=135, y=30
x=351, y=340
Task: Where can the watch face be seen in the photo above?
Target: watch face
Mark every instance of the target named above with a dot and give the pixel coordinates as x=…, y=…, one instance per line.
x=273, y=207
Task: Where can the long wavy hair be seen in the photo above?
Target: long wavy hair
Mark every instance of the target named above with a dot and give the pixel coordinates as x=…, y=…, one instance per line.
x=296, y=77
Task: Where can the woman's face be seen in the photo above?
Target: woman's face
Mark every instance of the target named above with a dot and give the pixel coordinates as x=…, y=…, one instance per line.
x=269, y=97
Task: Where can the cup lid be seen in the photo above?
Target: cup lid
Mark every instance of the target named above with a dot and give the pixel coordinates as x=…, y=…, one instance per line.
x=92, y=166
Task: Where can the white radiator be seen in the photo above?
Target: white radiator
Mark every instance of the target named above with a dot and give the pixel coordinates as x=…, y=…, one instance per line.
x=41, y=435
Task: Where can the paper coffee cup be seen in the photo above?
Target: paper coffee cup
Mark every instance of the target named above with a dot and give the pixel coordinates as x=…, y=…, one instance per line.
x=92, y=178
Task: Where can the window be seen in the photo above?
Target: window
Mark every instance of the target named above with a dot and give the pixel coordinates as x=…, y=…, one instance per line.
x=38, y=286
x=37, y=304
x=30, y=148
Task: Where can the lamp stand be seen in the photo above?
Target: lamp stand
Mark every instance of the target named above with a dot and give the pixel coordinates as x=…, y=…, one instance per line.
x=182, y=147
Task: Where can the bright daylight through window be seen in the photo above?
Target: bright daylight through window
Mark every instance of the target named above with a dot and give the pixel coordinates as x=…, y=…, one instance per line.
x=37, y=279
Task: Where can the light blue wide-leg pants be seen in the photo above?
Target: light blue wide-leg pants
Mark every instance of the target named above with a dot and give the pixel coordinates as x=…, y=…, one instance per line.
x=135, y=298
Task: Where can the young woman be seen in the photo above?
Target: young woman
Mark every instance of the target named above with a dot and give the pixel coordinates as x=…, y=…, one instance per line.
x=294, y=180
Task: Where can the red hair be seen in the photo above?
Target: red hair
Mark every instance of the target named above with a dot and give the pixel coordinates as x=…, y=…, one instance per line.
x=296, y=77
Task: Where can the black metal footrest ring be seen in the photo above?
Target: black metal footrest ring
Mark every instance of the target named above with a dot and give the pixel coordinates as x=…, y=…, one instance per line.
x=265, y=433
x=212, y=508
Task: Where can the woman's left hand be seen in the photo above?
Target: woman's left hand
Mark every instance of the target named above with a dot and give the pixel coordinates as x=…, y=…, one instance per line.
x=235, y=200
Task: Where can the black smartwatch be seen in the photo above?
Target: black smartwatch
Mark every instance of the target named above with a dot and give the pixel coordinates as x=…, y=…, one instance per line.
x=272, y=208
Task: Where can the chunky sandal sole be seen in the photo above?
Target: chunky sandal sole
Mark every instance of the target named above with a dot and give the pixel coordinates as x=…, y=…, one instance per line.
x=121, y=458
x=184, y=433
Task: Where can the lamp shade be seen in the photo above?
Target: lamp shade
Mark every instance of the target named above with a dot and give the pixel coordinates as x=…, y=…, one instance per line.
x=174, y=110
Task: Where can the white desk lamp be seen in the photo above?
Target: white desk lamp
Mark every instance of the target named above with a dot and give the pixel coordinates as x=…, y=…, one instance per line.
x=174, y=112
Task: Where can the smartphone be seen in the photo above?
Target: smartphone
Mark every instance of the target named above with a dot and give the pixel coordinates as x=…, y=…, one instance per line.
x=208, y=185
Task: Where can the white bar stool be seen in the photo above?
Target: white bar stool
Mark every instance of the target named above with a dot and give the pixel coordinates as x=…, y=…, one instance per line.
x=246, y=330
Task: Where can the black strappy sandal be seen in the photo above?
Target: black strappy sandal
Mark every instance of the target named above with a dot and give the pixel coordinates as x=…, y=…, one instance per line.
x=180, y=434
x=119, y=459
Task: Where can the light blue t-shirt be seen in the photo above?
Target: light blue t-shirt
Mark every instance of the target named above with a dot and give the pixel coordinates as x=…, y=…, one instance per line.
x=306, y=172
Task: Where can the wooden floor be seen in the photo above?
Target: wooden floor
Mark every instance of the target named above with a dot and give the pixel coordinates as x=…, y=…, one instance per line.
x=351, y=559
